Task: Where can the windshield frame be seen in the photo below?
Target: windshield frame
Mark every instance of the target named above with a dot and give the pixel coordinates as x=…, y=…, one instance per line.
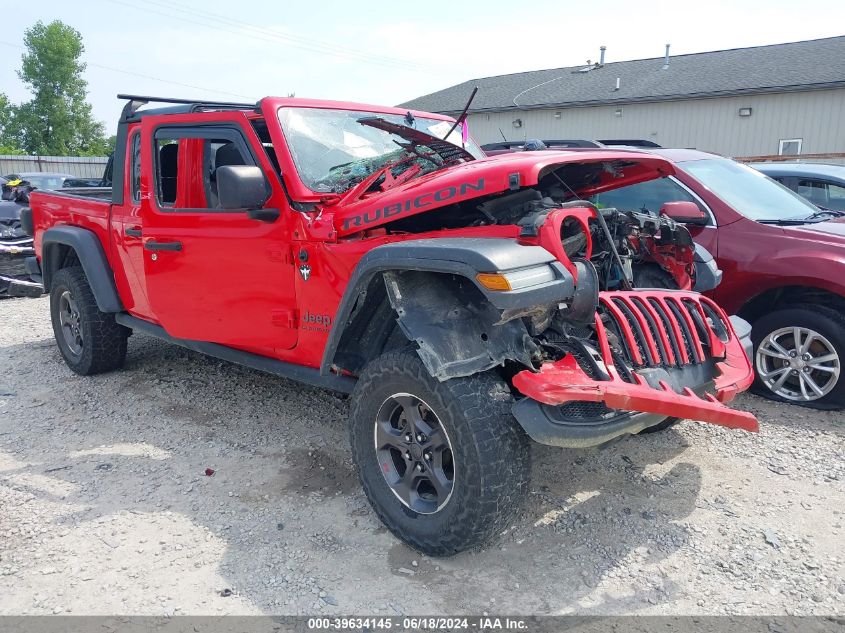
x=732, y=197
x=361, y=111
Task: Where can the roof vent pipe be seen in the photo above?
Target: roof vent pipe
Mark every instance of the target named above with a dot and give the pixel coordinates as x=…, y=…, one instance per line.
x=618, y=80
x=601, y=58
x=666, y=58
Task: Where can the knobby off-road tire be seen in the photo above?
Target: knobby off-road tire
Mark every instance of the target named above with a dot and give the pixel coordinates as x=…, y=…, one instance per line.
x=487, y=457
x=90, y=341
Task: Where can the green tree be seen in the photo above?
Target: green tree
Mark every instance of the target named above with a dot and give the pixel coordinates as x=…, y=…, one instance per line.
x=7, y=112
x=57, y=120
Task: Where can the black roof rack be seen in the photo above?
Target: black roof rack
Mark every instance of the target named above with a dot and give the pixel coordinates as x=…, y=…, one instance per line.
x=134, y=102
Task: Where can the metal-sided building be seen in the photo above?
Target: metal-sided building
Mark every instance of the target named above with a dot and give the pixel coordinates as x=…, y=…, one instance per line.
x=765, y=100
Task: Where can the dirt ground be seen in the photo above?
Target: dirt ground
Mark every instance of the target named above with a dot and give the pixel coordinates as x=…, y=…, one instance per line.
x=105, y=507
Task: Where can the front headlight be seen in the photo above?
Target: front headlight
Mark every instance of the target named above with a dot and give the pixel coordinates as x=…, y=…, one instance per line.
x=517, y=279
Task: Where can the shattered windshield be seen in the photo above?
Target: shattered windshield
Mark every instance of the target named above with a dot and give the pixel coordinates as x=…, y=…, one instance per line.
x=334, y=150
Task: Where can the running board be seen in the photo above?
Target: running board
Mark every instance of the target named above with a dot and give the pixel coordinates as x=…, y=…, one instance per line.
x=308, y=375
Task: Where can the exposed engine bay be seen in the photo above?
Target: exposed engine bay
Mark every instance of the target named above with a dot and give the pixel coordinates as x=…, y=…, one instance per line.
x=627, y=248
x=656, y=344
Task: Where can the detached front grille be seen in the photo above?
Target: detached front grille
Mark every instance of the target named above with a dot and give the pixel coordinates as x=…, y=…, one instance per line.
x=664, y=328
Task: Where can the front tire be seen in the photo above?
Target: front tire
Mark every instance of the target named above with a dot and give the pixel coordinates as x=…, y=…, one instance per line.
x=90, y=341
x=797, y=357
x=443, y=464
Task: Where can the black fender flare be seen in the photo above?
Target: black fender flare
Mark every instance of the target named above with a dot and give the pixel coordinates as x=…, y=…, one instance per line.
x=91, y=256
x=465, y=257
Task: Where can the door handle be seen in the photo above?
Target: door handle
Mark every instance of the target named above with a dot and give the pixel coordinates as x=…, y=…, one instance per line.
x=133, y=232
x=152, y=245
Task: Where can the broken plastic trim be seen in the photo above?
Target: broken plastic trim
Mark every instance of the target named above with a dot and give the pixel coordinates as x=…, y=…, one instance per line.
x=564, y=381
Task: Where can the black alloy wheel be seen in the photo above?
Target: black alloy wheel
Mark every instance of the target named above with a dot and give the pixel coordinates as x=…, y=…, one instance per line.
x=414, y=453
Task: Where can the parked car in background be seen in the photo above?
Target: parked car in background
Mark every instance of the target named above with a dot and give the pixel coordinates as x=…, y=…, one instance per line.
x=629, y=142
x=783, y=263
x=76, y=183
x=506, y=147
x=41, y=179
x=823, y=185
x=15, y=245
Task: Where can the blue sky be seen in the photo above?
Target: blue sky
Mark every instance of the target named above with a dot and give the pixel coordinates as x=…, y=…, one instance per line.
x=379, y=52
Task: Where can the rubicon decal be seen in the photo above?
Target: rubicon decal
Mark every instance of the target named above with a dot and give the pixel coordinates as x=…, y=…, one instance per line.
x=421, y=201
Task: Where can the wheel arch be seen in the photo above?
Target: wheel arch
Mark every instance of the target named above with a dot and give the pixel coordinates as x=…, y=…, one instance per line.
x=64, y=246
x=788, y=296
x=375, y=314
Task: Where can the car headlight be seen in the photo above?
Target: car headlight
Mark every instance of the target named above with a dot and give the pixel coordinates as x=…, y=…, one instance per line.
x=517, y=279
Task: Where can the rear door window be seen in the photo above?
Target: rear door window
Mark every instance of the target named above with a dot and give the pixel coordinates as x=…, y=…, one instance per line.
x=187, y=160
x=136, y=167
x=836, y=196
x=813, y=190
x=822, y=193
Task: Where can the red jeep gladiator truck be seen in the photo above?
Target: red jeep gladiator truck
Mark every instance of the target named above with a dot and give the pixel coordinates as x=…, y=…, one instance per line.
x=466, y=303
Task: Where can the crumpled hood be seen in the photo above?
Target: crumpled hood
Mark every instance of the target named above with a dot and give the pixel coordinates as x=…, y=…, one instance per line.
x=493, y=175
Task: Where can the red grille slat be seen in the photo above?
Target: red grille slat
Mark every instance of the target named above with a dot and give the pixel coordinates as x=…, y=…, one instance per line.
x=625, y=328
x=644, y=325
x=695, y=342
x=664, y=327
x=661, y=332
x=676, y=329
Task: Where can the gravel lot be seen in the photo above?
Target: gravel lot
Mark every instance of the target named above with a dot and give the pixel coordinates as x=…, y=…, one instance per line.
x=105, y=507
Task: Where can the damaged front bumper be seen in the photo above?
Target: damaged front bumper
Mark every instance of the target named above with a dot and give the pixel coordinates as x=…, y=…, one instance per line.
x=687, y=359
x=15, y=279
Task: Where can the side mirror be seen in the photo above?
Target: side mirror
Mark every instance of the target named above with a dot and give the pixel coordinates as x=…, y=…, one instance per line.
x=684, y=211
x=241, y=187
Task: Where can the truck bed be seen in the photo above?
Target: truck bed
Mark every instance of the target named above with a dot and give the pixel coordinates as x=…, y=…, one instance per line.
x=100, y=193
x=85, y=207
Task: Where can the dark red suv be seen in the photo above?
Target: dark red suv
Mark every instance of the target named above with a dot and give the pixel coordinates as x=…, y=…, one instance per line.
x=783, y=261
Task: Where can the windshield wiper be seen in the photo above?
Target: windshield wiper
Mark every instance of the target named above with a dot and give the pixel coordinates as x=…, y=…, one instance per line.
x=813, y=218
x=784, y=221
x=825, y=213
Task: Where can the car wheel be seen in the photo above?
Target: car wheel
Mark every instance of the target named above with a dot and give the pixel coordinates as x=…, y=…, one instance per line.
x=90, y=341
x=798, y=354
x=443, y=464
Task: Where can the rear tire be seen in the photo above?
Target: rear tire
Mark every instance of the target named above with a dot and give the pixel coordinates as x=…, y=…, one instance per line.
x=90, y=341
x=819, y=365
x=476, y=481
